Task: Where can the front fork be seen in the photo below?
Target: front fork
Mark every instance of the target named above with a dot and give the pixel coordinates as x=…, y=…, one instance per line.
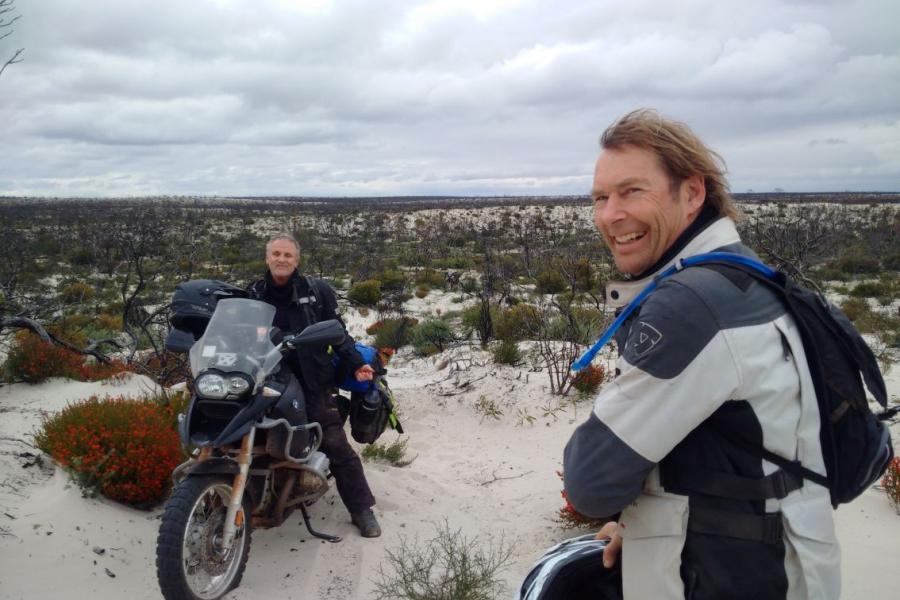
x=234, y=518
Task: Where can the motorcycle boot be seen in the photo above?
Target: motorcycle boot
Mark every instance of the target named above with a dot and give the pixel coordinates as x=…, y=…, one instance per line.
x=367, y=524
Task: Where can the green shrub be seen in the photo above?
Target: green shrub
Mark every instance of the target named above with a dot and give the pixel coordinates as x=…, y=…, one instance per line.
x=447, y=567
x=431, y=336
x=831, y=274
x=891, y=262
x=365, y=293
x=487, y=407
x=122, y=448
x=76, y=293
x=857, y=263
x=430, y=278
x=519, y=322
x=550, y=282
x=859, y=311
x=873, y=289
x=422, y=291
x=454, y=262
x=393, y=333
x=393, y=453
x=506, y=352
x=391, y=281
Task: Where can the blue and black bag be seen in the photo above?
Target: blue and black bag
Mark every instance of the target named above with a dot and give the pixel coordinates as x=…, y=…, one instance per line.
x=371, y=406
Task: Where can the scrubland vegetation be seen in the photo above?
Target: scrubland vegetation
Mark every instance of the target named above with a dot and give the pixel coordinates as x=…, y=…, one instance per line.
x=527, y=276
x=524, y=279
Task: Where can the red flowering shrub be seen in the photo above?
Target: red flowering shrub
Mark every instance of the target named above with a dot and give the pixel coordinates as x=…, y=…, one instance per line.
x=33, y=360
x=570, y=518
x=122, y=448
x=891, y=482
x=588, y=380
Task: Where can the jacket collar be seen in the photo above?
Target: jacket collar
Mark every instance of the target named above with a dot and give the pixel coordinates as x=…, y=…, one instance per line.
x=720, y=233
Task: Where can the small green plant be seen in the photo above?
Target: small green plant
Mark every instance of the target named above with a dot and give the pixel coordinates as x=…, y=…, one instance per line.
x=859, y=311
x=487, y=407
x=550, y=282
x=448, y=566
x=875, y=289
x=393, y=453
x=517, y=323
x=392, y=333
x=431, y=336
x=524, y=417
x=551, y=411
x=76, y=293
x=430, y=278
x=365, y=293
x=506, y=353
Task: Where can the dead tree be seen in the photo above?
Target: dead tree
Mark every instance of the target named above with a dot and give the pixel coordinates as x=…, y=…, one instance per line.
x=795, y=240
x=92, y=349
x=7, y=18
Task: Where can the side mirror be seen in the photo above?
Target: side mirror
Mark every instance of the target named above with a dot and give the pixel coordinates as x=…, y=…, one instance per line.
x=324, y=333
x=179, y=340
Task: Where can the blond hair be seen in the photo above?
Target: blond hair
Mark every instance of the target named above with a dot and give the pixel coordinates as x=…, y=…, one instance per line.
x=679, y=150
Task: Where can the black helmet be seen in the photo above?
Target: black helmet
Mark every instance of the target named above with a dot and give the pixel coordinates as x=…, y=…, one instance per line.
x=194, y=301
x=573, y=570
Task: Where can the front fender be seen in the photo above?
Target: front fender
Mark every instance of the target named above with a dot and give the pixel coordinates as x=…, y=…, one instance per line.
x=223, y=466
x=213, y=466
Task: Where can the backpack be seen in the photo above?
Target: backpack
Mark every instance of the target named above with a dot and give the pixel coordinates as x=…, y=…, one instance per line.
x=856, y=445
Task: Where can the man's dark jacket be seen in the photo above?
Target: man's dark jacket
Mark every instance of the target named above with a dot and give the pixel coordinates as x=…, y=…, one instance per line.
x=296, y=307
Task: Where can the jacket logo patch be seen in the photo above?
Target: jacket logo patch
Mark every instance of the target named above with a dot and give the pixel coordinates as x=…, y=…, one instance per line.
x=647, y=338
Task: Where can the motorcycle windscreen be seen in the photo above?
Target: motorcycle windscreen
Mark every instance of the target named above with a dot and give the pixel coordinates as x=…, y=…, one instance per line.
x=237, y=339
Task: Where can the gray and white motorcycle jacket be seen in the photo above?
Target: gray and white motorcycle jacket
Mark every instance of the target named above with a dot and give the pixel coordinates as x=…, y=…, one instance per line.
x=708, y=354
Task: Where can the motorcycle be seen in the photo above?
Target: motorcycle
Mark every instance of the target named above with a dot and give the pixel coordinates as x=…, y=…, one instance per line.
x=255, y=456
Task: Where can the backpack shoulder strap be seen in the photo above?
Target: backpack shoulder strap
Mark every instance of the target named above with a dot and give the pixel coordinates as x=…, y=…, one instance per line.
x=311, y=302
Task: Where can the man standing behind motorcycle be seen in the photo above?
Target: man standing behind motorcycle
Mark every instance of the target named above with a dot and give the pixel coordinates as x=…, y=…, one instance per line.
x=296, y=307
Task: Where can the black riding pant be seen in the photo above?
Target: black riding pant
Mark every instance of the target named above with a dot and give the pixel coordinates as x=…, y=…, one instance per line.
x=345, y=464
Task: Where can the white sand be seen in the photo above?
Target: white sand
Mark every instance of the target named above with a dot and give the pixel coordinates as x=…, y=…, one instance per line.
x=489, y=477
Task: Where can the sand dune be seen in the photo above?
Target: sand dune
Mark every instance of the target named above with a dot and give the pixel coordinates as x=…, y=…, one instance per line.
x=490, y=477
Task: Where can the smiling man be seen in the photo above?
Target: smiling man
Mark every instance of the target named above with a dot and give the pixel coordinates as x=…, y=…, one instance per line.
x=299, y=302
x=695, y=515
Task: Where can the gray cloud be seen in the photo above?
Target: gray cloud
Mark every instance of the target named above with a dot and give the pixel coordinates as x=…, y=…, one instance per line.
x=464, y=96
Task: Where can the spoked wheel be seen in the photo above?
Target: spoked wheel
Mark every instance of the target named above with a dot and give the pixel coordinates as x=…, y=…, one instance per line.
x=191, y=563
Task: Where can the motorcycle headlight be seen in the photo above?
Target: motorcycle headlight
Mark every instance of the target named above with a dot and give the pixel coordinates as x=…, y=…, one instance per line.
x=212, y=385
x=216, y=386
x=237, y=386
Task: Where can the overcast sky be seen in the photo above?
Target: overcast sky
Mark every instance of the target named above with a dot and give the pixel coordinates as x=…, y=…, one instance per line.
x=462, y=97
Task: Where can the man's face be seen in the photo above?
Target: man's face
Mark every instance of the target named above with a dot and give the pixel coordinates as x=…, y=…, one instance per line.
x=281, y=259
x=637, y=210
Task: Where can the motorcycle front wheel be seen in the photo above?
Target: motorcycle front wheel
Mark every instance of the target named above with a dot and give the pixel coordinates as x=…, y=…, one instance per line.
x=190, y=561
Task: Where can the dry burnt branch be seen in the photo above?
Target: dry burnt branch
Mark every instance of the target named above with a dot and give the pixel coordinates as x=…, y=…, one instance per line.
x=91, y=349
x=6, y=20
